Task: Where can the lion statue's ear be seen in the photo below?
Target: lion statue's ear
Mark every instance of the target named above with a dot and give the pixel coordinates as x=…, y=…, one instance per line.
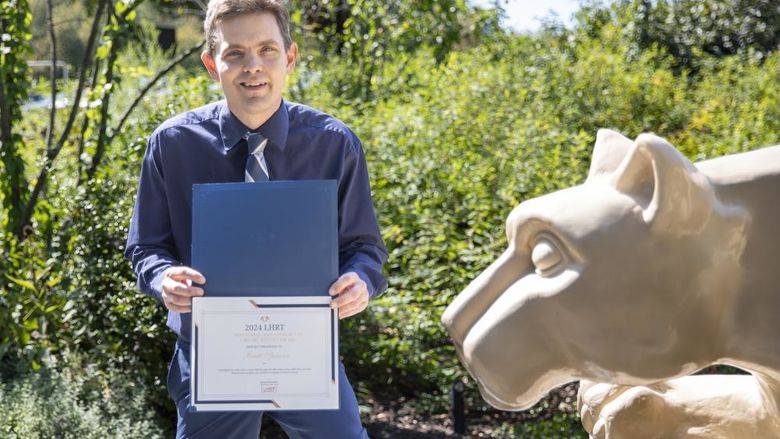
x=673, y=194
x=608, y=153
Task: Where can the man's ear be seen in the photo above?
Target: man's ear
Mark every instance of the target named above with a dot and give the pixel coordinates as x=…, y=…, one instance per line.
x=608, y=153
x=674, y=196
x=210, y=64
x=292, y=57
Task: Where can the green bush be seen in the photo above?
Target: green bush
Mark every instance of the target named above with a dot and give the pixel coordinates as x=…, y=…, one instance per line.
x=559, y=426
x=78, y=405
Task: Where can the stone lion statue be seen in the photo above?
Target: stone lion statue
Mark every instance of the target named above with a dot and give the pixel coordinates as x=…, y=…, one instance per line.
x=651, y=270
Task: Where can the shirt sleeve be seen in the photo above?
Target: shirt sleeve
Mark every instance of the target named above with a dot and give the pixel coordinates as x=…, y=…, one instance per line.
x=150, y=246
x=360, y=244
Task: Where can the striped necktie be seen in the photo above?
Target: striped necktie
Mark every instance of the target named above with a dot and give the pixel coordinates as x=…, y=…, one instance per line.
x=256, y=168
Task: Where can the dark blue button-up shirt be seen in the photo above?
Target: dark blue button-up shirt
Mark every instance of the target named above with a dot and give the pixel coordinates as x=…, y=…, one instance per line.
x=204, y=146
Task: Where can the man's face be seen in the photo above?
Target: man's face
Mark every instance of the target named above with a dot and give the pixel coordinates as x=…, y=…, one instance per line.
x=251, y=64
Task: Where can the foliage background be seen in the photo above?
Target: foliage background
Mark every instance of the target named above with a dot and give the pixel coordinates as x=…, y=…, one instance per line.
x=460, y=121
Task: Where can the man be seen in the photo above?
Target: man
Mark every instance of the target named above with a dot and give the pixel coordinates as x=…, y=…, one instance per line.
x=250, y=53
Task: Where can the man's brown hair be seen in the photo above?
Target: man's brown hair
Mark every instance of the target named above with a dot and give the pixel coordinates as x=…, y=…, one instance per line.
x=220, y=10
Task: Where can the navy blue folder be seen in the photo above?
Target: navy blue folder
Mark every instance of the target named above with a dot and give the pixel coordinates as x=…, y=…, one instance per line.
x=276, y=238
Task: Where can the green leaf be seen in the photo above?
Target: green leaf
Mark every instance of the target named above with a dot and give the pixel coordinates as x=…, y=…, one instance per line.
x=22, y=283
x=103, y=50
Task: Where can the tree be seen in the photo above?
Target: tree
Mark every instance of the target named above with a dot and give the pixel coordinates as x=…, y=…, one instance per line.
x=113, y=27
x=720, y=28
x=15, y=20
x=368, y=35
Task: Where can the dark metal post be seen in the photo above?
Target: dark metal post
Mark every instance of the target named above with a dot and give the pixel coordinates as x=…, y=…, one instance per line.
x=458, y=408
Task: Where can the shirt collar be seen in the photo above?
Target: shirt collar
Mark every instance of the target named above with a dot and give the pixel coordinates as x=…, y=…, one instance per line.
x=274, y=129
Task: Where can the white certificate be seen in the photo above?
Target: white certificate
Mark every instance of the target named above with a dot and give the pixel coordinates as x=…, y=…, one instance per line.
x=264, y=353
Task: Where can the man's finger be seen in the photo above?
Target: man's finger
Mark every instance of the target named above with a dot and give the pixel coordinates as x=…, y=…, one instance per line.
x=182, y=273
x=345, y=281
x=176, y=299
x=344, y=313
x=346, y=297
x=177, y=303
x=351, y=309
x=180, y=289
x=177, y=308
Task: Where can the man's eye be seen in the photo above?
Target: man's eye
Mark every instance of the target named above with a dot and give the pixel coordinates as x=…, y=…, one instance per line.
x=233, y=53
x=268, y=49
x=547, y=257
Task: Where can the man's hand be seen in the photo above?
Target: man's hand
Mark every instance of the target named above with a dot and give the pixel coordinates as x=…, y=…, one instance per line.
x=350, y=295
x=177, y=289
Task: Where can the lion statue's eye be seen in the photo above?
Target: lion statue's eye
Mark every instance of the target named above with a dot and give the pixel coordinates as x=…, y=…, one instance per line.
x=546, y=257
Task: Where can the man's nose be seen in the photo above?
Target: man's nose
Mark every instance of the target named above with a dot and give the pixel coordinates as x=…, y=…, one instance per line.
x=254, y=63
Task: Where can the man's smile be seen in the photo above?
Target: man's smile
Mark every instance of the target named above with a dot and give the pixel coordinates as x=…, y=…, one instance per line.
x=254, y=85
